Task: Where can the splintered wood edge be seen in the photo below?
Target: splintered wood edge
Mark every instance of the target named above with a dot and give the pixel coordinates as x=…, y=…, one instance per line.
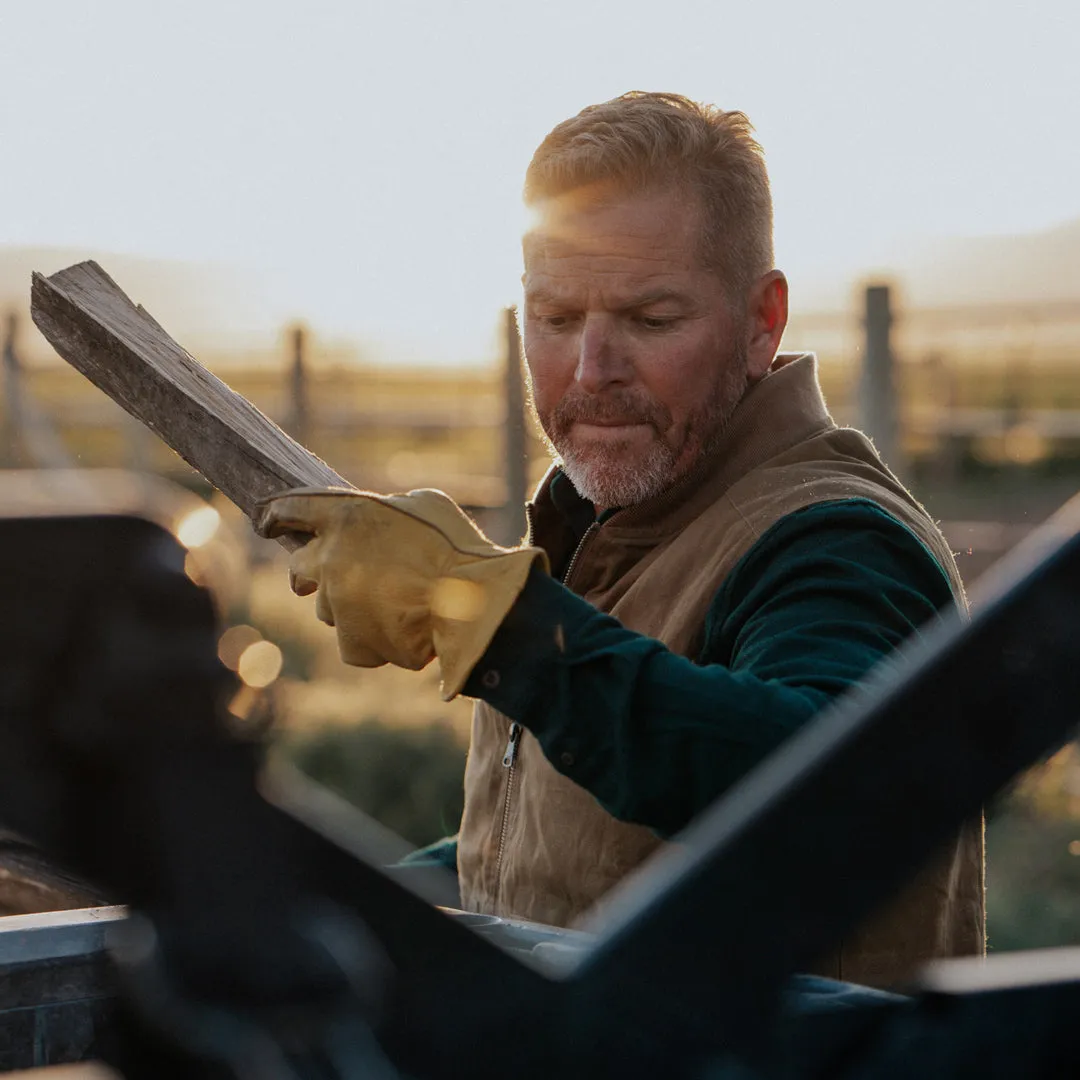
x=141, y=377
x=251, y=471
x=137, y=356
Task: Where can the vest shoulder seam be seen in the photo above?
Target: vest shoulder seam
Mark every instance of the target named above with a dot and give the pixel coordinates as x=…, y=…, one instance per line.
x=742, y=517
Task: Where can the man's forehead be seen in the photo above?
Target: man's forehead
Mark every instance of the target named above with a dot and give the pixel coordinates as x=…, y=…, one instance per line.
x=584, y=211
x=601, y=221
x=615, y=294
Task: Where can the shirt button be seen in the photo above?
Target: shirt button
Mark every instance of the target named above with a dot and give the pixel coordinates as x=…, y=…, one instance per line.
x=567, y=758
x=490, y=679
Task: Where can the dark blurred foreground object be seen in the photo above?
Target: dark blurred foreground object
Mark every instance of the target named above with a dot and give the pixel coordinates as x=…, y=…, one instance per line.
x=267, y=941
x=29, y=881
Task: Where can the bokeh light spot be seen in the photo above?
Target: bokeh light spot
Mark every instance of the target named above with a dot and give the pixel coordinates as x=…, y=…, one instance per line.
x=198, y=527
x=234, y=641
x=193, y=568
x=260, y=664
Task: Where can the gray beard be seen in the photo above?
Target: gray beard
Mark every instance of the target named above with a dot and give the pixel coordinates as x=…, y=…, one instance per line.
x=609, y=479
x=608, y=476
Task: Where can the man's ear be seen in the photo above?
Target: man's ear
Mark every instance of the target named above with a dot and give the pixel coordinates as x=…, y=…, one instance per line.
x=767, y=312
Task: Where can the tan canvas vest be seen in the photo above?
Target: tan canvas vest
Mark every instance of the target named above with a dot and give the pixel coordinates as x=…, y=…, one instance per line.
x=535, y=845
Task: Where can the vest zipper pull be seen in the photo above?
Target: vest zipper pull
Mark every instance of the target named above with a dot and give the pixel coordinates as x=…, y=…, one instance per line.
x=512, y=745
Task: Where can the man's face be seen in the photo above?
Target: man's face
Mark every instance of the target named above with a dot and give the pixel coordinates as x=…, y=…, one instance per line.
x=635, y=353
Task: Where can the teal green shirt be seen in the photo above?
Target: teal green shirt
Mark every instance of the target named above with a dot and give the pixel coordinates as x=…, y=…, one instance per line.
x=823, y=596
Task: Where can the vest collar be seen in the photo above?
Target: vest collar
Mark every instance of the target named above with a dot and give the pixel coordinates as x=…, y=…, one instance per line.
x=780, y=410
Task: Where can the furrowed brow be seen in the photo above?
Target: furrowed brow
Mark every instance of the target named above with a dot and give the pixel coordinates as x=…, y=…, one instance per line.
x=542, y=296
x=654, y=296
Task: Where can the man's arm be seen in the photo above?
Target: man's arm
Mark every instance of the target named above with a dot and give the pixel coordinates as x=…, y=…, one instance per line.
x=820, y=599
x=441, y=854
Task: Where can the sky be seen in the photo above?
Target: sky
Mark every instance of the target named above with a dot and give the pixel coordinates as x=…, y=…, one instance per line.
x=359, y=164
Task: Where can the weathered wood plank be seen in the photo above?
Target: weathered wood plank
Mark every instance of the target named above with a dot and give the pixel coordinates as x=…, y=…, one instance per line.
x=120, y=348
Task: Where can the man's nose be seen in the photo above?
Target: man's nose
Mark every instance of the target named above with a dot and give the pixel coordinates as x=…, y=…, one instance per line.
x=601, y=362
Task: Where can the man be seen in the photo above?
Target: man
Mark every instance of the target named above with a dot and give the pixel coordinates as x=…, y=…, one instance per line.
x=710, y=562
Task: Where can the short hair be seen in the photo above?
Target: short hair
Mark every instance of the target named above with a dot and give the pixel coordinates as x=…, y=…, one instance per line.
x=641, y=141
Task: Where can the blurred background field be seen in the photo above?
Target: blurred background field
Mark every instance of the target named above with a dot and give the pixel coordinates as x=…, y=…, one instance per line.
x=985, y=399
x=988, y=435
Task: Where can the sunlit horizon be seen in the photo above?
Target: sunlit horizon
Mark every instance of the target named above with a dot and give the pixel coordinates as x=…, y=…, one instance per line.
x=359, y=167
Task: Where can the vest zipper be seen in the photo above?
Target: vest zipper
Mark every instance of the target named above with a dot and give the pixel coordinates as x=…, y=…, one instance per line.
x=509, y=757
x=585, y=537
x=512, y=745
x=511, y=752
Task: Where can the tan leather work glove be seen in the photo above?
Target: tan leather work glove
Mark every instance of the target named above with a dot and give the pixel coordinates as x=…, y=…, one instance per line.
x=402, y=578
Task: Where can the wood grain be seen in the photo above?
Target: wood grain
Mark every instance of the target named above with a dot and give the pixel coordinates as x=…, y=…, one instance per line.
x=121, y=349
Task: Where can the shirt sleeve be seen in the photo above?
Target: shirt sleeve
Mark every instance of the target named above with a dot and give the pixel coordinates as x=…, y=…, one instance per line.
x=442, y=853
x=425, y=869
x=822, y=597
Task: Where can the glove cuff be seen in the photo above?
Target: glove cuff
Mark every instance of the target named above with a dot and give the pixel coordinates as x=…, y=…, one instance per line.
x=460, y=643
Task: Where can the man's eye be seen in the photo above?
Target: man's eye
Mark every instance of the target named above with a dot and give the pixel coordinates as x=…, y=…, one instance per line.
x=656, y=322
x=555, y=322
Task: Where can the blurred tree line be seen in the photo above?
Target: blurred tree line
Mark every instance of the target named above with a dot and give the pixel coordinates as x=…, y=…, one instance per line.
x=407, y=778
x=1033, y=857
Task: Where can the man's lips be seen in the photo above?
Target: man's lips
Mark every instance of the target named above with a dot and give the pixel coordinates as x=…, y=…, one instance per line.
x=607, y=423
x=603, y=429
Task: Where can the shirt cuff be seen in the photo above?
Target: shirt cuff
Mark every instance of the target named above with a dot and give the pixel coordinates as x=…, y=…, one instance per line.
x=533, y=638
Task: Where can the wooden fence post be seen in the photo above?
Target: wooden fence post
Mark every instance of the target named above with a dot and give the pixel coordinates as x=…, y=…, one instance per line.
x=878, y=412
x=512, y=524
x=11, y=453
x=299, y=409
x=30, y=437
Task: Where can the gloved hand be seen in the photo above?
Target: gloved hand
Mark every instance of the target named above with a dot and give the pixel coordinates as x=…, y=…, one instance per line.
x=402, y=578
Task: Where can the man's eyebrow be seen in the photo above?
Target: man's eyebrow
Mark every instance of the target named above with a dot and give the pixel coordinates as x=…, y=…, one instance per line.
x=541, y=294
x=655, y=296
